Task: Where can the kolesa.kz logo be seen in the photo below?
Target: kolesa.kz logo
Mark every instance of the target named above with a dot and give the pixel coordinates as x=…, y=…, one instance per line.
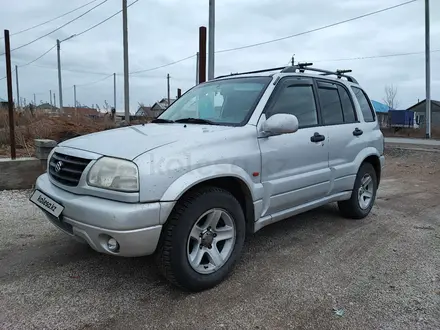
x=46, y=203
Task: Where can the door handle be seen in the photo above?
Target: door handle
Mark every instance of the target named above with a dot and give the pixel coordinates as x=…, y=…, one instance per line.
x=317, y=137
x=358, y=132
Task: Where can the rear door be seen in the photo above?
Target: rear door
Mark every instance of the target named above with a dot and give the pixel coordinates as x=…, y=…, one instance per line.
x=345, y=136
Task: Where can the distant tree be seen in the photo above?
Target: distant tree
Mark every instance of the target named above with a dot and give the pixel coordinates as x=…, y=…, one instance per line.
x=390, y=97
x=106, y=106
x=31, y=108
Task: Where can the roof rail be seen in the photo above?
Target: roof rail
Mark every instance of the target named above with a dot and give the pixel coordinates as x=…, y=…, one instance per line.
x=251, y=72
x=301, y=67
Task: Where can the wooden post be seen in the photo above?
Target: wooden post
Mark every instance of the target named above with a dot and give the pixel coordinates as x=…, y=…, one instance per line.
x=10, y=96
x=202, y=54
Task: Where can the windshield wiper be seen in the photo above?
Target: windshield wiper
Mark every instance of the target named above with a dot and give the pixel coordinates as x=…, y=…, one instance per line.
x=195, y=121
x=161, y=120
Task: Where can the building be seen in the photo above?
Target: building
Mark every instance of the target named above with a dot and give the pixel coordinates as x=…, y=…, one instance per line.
x=381, y=112
x=144, y=111
x=154, y=111
x=81, y=112
x=47, y=108
x=159, y=107
x=420, y=112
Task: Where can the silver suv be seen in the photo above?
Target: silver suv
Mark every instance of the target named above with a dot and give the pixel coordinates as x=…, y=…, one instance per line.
x=228, y=158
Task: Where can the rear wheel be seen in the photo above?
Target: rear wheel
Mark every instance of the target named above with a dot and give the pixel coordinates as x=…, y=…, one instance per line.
x=363, y=195
x=202, y=239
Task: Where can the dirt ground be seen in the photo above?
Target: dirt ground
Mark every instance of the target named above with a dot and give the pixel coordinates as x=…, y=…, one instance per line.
x=379, y=273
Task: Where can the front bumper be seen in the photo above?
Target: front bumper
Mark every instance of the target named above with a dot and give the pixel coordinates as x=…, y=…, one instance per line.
x=136, y=226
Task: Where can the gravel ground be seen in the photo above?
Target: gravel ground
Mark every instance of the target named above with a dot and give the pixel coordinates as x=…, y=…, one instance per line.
x=379, y=273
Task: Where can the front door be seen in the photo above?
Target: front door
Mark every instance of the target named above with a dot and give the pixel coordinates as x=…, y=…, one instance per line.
x=295, y=166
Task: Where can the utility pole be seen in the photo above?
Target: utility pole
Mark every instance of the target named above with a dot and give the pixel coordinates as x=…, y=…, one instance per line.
x=293, y=59
x=60, y=86
x=54, y=100
x=50, y=97
x=18, y=88
x=114, y=91
x=211, y=39
x=202, y=54
x=35, y=100
x=125, y=42
x=197, y=68
x=10, y=95
x=74, y=99
x=168, y=88
x=428, y=71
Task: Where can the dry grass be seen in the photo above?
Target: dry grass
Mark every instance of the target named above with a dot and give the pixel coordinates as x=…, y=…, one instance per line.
x=41, y=126
x=411, y=132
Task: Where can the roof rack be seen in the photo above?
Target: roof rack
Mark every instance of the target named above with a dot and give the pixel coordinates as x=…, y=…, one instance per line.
x=301, y=67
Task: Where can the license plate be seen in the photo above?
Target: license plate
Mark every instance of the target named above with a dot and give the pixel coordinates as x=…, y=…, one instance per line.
x=46, y=203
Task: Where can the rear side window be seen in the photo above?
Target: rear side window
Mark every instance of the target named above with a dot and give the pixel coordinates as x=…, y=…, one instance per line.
x=331, y=107
x=366, y=108
x=336, y=104
x=347, y=106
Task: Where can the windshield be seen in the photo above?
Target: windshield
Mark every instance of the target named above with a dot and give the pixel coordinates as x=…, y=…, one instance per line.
x=223, y=102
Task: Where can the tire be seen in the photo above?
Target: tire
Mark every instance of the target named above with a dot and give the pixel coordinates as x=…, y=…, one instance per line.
x=356, y=207
x=179, y=243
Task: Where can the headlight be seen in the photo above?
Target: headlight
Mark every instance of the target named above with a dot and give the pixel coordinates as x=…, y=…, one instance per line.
x=114, y=174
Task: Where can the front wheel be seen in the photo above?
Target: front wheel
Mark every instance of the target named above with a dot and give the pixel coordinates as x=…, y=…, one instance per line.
x=363, y=195
x=202, y=239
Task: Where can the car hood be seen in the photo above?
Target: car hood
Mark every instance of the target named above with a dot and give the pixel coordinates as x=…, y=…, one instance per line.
x=132, y=141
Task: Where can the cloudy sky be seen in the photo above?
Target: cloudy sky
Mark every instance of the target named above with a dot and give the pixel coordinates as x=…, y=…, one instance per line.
x=164, y=31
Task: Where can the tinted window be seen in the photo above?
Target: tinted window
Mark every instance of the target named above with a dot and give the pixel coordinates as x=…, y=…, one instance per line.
x=347, y=106
x=330, y=106
x=367, y=111
x=297, y=100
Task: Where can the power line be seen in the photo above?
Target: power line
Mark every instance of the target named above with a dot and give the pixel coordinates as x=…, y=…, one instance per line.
x=46, y=52
x=143, y=76
x=94, y=82
x=372, y=57
x=283, y=38
x=317, y=29
x=6, y=76
x=73, y=70
x=58, y=28
x=163, y=66
x=51, y=20
x=108, y=18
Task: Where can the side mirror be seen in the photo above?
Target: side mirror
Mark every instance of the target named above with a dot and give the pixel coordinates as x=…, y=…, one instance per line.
x=281, y=123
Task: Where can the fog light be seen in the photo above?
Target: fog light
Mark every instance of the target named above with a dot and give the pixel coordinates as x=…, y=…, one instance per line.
x=113, y=245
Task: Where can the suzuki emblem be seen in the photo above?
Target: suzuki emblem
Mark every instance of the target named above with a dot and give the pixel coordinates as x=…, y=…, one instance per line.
x=58, y=166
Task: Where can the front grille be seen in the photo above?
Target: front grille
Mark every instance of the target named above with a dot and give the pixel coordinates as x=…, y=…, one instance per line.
x=67, y=169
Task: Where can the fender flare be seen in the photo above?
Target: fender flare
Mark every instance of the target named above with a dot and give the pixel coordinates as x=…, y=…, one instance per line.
x=201, y=174
x=364, y=154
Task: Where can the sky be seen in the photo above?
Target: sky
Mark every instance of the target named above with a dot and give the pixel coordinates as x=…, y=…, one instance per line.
x=164, y=31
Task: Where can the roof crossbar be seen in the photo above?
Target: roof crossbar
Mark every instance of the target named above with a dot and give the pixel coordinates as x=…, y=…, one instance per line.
x=301, y=67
